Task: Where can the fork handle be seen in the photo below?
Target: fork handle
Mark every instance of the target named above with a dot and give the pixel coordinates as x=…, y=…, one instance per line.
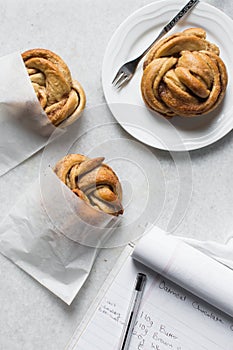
x=171, y=24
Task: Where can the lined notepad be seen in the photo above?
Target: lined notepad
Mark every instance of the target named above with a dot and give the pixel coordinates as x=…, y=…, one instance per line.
x=169, y=316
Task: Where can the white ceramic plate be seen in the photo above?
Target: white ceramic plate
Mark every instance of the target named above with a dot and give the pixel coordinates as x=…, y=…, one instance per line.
x=126, y=104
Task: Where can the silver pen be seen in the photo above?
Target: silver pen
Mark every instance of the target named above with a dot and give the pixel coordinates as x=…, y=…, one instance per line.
x=132, y=311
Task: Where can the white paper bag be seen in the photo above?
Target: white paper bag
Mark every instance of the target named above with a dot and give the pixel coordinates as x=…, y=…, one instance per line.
x=24, y=126
x=42, y=236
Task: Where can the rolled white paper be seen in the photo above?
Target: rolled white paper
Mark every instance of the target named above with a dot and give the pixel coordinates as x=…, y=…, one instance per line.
x=187, y=267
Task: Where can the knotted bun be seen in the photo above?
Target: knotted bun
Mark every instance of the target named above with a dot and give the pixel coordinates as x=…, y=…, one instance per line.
x=92, y=181
x=184, y=75
x=60, y=96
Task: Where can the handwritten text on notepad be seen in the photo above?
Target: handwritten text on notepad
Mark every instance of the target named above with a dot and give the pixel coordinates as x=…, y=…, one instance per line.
x=152, y=330
x=170, y=318
x=148, y=333
x=159, y=334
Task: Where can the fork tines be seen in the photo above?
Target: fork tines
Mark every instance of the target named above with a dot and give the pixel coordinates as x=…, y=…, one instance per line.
x=120, y=78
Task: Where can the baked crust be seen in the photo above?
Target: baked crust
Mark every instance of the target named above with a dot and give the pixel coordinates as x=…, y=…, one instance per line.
x=92, y=181
x=184, y=75
x=62, y=98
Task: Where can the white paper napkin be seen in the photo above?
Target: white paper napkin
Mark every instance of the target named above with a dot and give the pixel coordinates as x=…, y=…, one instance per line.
x=24, y=126
x=188, y=267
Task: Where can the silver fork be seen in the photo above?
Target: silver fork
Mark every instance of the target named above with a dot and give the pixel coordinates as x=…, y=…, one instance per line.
x=126, y=72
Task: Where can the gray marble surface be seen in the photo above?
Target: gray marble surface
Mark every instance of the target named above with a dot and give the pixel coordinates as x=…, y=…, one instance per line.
x=31, y=317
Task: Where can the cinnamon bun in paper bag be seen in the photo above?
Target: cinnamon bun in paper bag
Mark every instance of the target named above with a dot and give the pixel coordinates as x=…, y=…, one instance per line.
x=38, y=98
x=92, y=181
x=58, y=244
x=61, y=97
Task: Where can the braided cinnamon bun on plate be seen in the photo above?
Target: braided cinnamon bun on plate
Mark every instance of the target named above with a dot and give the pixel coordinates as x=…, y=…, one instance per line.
x=184, y=75
x=180, y=98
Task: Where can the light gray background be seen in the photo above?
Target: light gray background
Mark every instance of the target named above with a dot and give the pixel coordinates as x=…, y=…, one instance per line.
x=79, y=30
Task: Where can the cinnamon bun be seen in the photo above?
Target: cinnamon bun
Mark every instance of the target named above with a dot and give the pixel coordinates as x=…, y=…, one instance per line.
x=92, y=181
x=184, y=75
x=61, y=97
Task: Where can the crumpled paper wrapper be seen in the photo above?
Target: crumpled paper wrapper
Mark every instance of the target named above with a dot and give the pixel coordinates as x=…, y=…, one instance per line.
x=24, y=126
x=42, y=235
